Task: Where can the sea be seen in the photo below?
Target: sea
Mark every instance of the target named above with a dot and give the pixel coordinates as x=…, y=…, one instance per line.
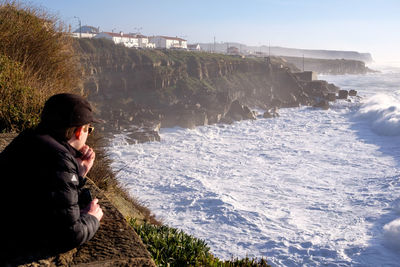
x=312, y=187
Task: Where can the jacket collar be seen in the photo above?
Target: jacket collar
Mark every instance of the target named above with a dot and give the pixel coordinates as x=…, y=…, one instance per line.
x=73, y=151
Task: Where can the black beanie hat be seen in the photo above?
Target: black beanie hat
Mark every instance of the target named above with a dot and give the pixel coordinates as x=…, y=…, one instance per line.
x=67, y=110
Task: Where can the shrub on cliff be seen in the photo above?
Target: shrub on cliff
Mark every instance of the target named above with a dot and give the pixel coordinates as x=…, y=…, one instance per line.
x=19, y=105
x=36, y=44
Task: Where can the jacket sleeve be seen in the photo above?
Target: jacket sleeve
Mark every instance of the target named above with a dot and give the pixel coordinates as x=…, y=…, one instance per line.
x=75, y=227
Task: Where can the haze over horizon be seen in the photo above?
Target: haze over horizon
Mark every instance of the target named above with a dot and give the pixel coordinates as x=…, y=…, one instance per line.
x=365, y=26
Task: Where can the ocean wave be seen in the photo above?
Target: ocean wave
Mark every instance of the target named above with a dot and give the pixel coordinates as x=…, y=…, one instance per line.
x=383, y=113
x=392, y=234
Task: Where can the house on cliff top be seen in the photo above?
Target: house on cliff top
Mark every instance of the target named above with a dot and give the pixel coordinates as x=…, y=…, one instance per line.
x=85, y=32
x=232, y=50
x=128, y=40
x=194, y=47
x=168, y=42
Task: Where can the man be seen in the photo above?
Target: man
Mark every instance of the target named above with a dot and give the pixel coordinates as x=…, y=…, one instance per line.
x=42, y=175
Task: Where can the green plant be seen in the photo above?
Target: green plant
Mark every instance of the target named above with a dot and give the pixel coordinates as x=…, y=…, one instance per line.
x=172, y=247
x=19, y=102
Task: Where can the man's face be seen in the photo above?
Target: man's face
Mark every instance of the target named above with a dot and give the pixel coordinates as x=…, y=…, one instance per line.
x=83, y=136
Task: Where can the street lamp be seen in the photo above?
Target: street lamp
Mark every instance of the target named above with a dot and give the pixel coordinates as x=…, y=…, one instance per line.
x=80, y=26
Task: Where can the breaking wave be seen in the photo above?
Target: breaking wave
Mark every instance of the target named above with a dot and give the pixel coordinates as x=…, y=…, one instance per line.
x=383, y=113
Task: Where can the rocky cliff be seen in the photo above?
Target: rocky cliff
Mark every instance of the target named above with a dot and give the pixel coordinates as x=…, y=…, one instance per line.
x=329, y=66
x=187, y=89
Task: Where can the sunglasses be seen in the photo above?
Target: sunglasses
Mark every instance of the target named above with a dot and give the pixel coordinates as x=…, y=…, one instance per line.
x=90, y=130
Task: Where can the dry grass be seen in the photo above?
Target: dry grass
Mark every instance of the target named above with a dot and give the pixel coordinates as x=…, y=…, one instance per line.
x=36, y=45
x=19, y=108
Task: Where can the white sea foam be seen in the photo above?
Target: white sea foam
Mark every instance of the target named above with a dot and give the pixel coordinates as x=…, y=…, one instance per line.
x=311, y=187
x=383, y=113
x=392, y=235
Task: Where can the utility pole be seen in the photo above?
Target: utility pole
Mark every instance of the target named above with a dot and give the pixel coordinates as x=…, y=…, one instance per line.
x=303, y=62
x=214, y=44
x=269, y=49
x=80, y=26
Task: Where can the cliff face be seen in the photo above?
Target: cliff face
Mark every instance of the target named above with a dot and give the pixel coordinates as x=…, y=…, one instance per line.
x=330, y=66
x=184, y=88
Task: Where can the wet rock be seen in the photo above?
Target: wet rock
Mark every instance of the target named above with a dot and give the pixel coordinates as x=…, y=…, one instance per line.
x=271, y=113
x=352, y=93
x=148, y=132
x=343, y=94
x=226, y=120
x=239, y=112
x=331, y=97
x=213, y=117
x=144, y=136
x=323, y=103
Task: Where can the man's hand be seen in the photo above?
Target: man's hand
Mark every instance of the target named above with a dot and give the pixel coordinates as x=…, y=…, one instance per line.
x=86, y=161
x=95, y=210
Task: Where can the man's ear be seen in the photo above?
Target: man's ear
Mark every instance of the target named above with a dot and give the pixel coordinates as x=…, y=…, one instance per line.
x=78, y=132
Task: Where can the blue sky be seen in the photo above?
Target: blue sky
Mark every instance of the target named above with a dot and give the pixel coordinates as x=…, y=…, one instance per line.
x=358, y=25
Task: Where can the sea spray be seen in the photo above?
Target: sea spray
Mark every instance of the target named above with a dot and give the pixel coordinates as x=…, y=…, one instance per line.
x=382, y=111
x=392, y=235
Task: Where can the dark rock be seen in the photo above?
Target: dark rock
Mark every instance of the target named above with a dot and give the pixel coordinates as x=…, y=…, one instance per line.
x=200, y=118
x=239, y=112
x=271, y=113
x=226, y=120
x=148, y=132
x=145, y=136
x=352, y=93
x=343, y=94
x=213, y=117
x=267, y=115
x=331, y=97
x=323, y=103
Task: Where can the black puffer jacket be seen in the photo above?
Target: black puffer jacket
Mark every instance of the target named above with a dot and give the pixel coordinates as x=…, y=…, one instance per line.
x=40, y=194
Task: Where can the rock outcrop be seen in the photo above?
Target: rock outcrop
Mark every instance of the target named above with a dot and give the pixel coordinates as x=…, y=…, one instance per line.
x=187, y=89
x=343, y=94
x=330, y=66
x=289, y=52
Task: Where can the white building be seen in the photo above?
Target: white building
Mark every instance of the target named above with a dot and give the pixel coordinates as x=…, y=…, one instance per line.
x=129, y=40
x=85, y=32
x=194, y=47
x=120, y=38
x=168, y=42
x=144, y=42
